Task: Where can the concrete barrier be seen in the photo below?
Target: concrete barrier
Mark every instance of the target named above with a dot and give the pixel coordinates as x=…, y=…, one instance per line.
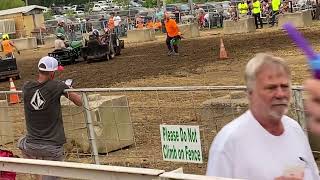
x=111, y=120
x=6, y=132
x=244, y=25
x=25, y=43
x=49, y=41
x=189, y=30
x=298, y=19
x=141, y=35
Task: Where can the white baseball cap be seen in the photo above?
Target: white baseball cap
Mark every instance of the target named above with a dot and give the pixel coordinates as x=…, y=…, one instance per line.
x=48, y=64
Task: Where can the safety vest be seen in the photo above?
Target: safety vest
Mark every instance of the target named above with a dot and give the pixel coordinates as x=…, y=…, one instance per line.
x=7, y=48
x=275, y=5
x=243, y=8
x=256, y=7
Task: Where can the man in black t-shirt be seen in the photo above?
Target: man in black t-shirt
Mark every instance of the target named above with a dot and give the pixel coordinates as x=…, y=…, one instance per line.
x=45, y=132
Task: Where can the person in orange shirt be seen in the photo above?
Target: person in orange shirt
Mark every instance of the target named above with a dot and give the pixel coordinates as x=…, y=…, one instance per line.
x=111, y=22
x=150, y=24
x=139, y=25
x=173, y=35
x=8, y=46
x=157, y=25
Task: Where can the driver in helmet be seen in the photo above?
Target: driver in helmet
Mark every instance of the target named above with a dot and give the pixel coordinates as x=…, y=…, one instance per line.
x=7, y=46
x=94, y=37
x=59, y=42
x=96, y=33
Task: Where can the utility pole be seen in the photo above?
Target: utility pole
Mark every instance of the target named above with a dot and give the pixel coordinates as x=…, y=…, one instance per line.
x=26, y=2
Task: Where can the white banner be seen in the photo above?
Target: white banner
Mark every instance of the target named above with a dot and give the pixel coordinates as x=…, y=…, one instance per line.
x=181, y=143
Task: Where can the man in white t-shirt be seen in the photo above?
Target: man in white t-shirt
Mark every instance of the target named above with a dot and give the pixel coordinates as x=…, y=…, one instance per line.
x=117, y=21
x=263, y=143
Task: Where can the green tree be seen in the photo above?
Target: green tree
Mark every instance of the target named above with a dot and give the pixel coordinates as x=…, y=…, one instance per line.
x=8, y=4
x=150, y=3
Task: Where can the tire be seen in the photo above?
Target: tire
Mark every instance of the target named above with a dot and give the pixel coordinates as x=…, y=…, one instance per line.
x=72, y=60
x=118, y=50
x=17, y=77
x=112, y=53
x=107, y=58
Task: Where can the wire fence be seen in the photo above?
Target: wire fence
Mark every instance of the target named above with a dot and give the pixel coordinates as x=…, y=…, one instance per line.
x=121, y=126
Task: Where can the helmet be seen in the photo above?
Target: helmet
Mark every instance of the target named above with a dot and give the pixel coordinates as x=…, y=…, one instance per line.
x=5, y=37
x=61, y=23
x=60, y=36
x=95, y=33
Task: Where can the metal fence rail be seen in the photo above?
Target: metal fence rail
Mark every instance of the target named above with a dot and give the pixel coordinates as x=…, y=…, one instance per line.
x=92, y=172
x=121, y=126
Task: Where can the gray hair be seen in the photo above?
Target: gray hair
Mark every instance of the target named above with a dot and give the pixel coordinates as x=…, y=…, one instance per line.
x=256, y=64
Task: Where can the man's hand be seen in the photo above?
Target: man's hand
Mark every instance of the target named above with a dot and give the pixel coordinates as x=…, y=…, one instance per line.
x=312, y=105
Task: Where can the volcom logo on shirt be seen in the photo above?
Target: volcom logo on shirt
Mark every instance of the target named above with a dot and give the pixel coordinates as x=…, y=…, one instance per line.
x=37, y=101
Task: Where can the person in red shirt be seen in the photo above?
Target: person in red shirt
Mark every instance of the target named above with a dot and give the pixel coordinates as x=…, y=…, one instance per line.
x=173, y=35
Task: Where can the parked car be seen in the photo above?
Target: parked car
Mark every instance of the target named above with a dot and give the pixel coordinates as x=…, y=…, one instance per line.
x=134, y=4
x=57, y=10
x=208, y=8
x=98, y=7
x=57, y=16
x=170, y=7
x=79, y=13
x=78, y=7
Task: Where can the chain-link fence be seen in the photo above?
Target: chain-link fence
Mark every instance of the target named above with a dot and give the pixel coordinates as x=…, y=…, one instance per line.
x=123, y=124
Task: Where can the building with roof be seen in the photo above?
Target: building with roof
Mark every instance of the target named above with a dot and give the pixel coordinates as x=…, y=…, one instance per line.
x=27, y=19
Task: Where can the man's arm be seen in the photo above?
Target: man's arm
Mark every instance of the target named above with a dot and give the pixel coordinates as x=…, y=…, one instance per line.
x=75, y=98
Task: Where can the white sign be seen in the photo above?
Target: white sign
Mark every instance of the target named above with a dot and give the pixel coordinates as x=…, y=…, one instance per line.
x=181, y=143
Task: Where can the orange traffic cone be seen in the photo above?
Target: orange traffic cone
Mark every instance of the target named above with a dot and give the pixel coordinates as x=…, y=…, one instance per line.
x=223, y=52
x=13, y=97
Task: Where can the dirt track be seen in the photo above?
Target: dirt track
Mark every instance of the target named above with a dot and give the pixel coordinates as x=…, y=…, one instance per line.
x=198, y=58
x=148, y=65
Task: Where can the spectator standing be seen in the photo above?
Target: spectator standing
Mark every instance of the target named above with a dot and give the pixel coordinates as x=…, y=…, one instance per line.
x=150, y=24
x=176, y=13
x=103, y=20
x=263, y=143
x=45, y=132
x=111, y=22
x=88, y=25
x=275, y=5
x=117, y=24
x=243, y=8
x=312, y=105
x=72, y=32
x=256, y=10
